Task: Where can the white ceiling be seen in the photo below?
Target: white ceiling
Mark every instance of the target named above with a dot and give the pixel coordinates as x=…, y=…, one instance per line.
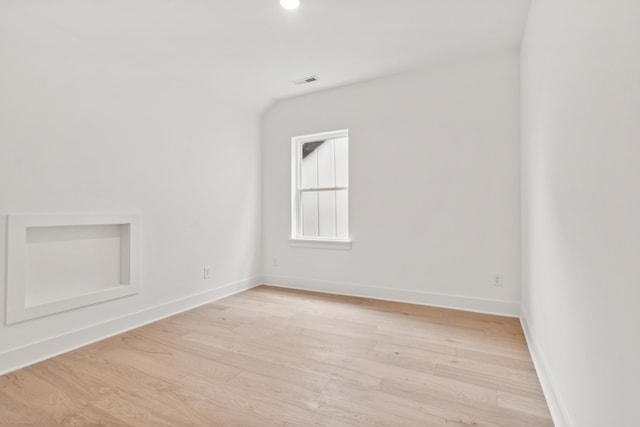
x=249, y=51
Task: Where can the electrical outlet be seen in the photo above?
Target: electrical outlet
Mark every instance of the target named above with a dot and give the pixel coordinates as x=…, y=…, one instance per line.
x=498, y=279
x=207, y=273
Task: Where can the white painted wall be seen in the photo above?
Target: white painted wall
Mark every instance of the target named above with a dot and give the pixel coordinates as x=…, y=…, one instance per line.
x=581, y=206
x=63, y=262
x=85, y=129
x=434, y=186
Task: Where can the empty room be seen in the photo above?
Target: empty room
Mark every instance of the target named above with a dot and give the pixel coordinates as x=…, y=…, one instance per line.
x=261, y=213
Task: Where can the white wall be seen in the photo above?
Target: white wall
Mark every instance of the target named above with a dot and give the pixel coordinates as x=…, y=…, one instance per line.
x=84, y=129
x=581, y=206
x=434, y=186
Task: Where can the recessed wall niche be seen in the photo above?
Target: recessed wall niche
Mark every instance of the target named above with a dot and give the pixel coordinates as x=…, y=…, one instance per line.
x=61, y=262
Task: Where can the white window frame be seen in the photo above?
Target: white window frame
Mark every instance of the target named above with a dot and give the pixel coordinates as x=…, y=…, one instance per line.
x=296, y=238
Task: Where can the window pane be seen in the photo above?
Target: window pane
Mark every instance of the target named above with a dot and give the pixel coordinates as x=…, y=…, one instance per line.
x=326, y=165
x=341, y=147
x=309, y=213
x=331, y=216
x=342, y=214
x=309, y=170
x=327, y=214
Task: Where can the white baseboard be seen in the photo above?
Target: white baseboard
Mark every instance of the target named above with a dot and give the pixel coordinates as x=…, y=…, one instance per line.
x=17, y=358
x=556, y=407
x=502, y=308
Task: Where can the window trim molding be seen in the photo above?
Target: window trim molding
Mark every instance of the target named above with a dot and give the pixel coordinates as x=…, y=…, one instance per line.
x=320, y=243
x=296, y=238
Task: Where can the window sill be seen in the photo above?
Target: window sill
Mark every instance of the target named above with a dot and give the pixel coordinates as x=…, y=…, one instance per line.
x=344, y=245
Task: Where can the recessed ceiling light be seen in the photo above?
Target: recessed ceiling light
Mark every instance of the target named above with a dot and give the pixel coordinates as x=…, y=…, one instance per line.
x=290, y=4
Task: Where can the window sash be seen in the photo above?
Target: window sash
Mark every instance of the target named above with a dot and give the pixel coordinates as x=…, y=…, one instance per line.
x=335, y=215
x=297, y=231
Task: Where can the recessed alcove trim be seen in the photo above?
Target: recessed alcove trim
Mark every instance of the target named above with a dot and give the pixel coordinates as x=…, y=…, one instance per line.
x=24, y=301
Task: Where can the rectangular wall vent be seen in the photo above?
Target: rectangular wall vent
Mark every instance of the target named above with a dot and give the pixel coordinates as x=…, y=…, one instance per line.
x=306, y=80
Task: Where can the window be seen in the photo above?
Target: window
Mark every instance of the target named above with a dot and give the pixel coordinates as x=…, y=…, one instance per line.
x=320, y=188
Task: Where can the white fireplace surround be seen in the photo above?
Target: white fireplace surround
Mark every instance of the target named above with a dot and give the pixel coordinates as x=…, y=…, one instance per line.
x=65, y=261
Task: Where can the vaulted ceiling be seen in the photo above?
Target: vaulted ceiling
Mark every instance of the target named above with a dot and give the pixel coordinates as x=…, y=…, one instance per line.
x=250, y=51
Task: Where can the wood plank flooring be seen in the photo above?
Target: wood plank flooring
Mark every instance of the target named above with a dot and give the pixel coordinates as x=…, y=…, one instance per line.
x=275, y=357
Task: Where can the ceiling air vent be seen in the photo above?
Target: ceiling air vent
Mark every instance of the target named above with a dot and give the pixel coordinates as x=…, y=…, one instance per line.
x=306, y=80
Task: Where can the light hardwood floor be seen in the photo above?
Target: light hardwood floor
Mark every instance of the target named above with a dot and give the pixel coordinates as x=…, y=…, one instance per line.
x=275, y=357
